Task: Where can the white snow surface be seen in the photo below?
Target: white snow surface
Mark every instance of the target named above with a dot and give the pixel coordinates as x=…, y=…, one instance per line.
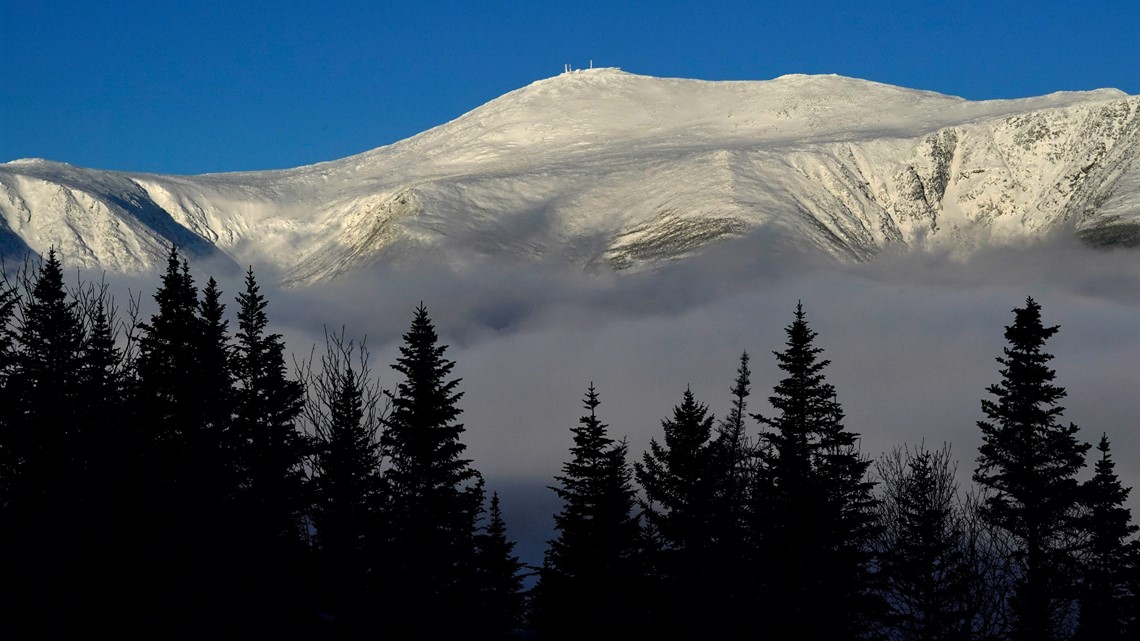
x=601, y=167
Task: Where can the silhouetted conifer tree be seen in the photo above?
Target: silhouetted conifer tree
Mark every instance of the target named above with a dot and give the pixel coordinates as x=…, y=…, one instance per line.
x=435, y=495
x=344, y=411
x=48, y=507
x=499, y=577
x=9, y=450
x=273, y=496
x=44, y=385
x=62, y=451
x=677, y=480
x=10, y=459
x=107, y=476
x=185, y=473
x=1110, y=561
x=928, y=568
x=815, y=516
x=590, y=580
x=1028, y=464
x=101, y=371
x=731, y=455
x=215, y=356
x=169, y=371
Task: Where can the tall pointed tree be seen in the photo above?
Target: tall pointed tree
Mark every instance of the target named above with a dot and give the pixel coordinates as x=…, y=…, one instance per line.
x=675, y=476
x=108, y=476
x=731, y=455
x=186, y=459
x=677, y=480
x=1027, y=463
x=814, y=511
x=435, y=494
x=928, y=571
x=48, y=498
x=169, y=373
x=344, y=411
x=588, y=585
x=215, y=355
x=499, y=576
x=1111, y=557
x=273, y=495
x=268, y=404
x=731, y=459
x=45, y=382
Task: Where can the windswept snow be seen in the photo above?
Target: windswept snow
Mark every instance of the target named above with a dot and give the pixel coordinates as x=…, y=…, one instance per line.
x=603, y=167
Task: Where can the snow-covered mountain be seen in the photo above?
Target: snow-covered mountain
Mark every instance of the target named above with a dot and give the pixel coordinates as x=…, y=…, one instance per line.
x=602, y=167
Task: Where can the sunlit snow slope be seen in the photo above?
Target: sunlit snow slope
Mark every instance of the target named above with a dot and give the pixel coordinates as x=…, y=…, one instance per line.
x=604, y=168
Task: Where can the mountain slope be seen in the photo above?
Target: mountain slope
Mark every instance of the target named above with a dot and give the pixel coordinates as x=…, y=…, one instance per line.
x=602, y=167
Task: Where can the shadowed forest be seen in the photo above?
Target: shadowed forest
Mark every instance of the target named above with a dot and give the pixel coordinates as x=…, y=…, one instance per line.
x=168, y=475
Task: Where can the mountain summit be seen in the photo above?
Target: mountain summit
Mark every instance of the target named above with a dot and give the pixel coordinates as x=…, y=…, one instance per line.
x=601, y=167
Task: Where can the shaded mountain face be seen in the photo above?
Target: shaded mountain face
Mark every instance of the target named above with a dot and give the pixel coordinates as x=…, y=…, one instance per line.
x=601, y=169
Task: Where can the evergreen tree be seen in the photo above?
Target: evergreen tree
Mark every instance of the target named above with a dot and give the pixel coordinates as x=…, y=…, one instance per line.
x=10, y=300
x=677, y=479
x=1028, y=463
x=499, y=578
x=47, y=500
x=929, y=575
x=435, y=495
x=815, y=515
x=214, y=355
x=101, y=370
x=184, y=521
x=344, y=413
x=272, y=499
x=44, y=383
x=731, y=457
x=1111, y=556
x=589, y=583
x=170, y=376
x=105, y=439
x=268, y=404
x=62, y=438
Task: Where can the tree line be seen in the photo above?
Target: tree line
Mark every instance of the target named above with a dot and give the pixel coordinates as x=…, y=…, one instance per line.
x=168, y=477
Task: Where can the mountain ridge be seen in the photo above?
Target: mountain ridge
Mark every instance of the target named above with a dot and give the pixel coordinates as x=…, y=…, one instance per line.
x=603, y=168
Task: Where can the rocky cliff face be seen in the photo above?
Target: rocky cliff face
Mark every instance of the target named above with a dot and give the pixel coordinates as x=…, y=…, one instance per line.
x=605, y=168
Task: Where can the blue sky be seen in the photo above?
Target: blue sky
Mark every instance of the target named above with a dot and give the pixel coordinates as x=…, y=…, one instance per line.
x=193, y=87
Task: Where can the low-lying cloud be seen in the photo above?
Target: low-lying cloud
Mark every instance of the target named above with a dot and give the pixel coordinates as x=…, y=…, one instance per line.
x=912, y=340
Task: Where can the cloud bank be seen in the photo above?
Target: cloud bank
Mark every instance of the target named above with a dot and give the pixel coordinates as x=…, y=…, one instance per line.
x=912, y=339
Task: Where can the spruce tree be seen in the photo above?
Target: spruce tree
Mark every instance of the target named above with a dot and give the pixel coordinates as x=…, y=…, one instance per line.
x=731, y=460
x=62, y=502
x=589, y=583
x=107, y=474
x=344, y=413
x=434, y=493
x=102, y=369
x=272, y=498
x=927, y=566
x=1111, y=555
x=814, y=511
x=675, y=476
x=267, y=405
x=48, y=507
x=169, y=372
x=44, y=385
x=499, y=576
x=731, y=454
x=215, y=355
x=1027, y=463
x=677, y=480
x=184, y=521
